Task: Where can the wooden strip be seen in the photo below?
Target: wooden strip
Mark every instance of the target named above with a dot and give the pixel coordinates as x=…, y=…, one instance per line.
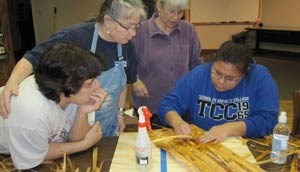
x=259, y=142
x=88, y=169
x=95, y=156
x=294, y=165
x=70, y=163
x=229, y=156
x=3, y=167
x=204, y=157
x=272, y=159
x=262, y=155
x=171, y=138
x=64, y=165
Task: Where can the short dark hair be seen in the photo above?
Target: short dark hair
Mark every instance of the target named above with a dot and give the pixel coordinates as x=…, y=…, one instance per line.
x=63, y=68
x=236, y=52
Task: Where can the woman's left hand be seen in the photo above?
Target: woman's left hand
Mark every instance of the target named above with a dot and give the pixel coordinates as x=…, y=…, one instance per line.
x=121, y=124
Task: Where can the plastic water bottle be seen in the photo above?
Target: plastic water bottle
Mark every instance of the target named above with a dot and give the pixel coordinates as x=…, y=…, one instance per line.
x=281, y=135
x=143, y=150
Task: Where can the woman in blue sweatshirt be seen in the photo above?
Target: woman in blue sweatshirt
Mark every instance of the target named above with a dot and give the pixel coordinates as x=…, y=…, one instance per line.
x=231, y=96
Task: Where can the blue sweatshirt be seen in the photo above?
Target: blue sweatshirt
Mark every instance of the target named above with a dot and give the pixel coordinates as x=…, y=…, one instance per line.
x=254, y=100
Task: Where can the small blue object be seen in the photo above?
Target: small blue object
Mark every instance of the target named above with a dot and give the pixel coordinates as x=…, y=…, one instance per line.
x=163, y=161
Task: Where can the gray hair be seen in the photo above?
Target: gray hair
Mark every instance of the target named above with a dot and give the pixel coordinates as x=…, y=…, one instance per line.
x=122, y=9
x=174, y=4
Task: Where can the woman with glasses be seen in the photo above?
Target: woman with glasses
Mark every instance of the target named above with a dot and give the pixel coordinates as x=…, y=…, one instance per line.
x=167, y=48
x=108, y=37
x=231, y=96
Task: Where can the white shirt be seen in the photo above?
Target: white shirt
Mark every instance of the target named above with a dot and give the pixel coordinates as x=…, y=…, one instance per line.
x=33, y=121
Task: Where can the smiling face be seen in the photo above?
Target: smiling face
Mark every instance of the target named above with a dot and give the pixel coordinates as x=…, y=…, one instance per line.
x=225, y=76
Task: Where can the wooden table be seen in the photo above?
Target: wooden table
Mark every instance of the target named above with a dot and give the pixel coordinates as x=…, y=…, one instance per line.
x=107, y=147
x=124, y=157
x=83, y=160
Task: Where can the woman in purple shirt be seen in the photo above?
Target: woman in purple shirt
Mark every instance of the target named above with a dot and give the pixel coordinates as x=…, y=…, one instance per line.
x=166, y=48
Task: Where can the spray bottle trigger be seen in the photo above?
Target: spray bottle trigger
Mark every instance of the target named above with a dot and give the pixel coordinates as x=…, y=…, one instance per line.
x=147, y=115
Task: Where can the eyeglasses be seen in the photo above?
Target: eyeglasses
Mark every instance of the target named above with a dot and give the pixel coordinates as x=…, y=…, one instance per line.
x=229, y=79
x=133, y=28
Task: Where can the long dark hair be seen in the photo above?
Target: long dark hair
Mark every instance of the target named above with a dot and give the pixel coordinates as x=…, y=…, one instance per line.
x=63, y=68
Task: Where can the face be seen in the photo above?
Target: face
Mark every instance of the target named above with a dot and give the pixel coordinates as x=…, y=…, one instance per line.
x=123, y=30
x=170, y=17
x=225, y=76
x=86, y=90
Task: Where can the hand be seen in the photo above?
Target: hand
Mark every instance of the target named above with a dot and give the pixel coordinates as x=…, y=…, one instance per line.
x=93, y=136
x=121, y=124
x=140, y=89
x=7, y=92
x=96, y=100
x=215, y=135
x=182, y=128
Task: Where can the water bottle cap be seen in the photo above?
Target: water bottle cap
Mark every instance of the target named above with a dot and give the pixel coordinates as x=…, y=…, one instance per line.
x=282, y=117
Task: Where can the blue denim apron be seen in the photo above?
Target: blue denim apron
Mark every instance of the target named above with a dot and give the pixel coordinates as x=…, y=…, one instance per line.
x=113, y=82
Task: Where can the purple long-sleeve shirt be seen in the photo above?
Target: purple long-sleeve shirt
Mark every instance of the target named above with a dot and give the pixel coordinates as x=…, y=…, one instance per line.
x=163, y=58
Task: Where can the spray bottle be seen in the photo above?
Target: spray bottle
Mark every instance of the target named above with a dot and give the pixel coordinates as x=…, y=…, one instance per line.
x=143, y=144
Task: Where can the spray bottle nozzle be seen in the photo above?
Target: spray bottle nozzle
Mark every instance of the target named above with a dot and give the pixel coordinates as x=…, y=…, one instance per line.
x=143, y=110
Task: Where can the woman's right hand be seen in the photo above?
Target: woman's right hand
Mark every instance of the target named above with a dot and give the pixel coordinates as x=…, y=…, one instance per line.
x=140, y=89
x=8, y=91
x=93, y=136
x=22, y=70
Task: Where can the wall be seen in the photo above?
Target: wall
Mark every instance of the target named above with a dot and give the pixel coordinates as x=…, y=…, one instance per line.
x=212, y=36
x=274, y=13
x=204, y=12
x=69, y=12
x=224, y=10
x=281, y=13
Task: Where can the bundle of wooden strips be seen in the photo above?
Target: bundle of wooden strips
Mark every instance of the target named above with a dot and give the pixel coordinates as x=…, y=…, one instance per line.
x=295, y=166
x=267, y=141
x=200, y=157
x=6, y=164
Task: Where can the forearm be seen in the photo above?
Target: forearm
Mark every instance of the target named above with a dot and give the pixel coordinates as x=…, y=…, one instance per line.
x=235, y=129
x=80, y=127
x=172, y=117
x=22, y=69
x=122, y=98
x=57, y=150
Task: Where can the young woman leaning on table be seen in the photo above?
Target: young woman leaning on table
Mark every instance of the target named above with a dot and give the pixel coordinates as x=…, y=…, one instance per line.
x=108, y=37
x=49, y=117
x=231, y=96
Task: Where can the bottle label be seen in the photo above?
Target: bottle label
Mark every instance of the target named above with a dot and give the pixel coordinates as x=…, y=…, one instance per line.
x=280, y=142
x=279, y=147
x=143, y=155
x=142, y=160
